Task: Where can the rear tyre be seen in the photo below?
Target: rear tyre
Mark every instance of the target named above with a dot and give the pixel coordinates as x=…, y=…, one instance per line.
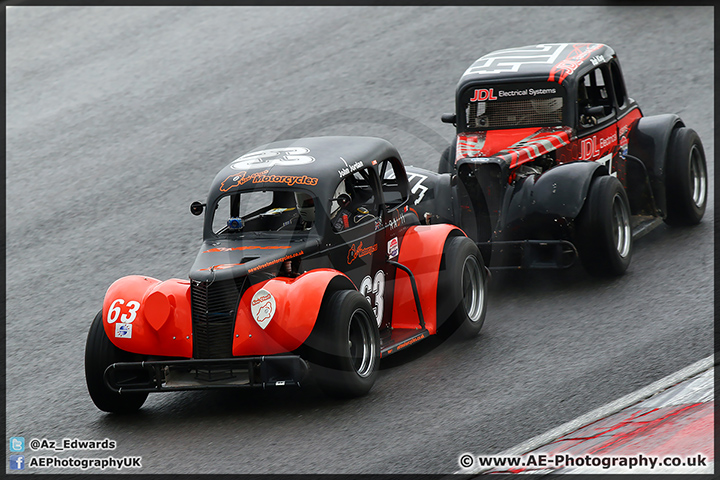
x=344, y=347
x=603, y=226
x=462, y=287
x=99, y=354
x=447, y=160
x=686, y=181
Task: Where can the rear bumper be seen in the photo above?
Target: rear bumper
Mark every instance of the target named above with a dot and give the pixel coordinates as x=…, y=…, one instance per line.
x=205, y=374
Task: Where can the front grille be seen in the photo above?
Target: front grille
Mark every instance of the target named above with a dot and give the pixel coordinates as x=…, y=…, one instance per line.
x=214, y=307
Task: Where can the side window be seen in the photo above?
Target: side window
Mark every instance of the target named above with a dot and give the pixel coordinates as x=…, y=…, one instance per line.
x=356, y=201
x=594, y=102
x=394, y=187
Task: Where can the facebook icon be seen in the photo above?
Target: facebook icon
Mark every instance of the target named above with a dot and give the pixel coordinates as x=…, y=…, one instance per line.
x=17, y=462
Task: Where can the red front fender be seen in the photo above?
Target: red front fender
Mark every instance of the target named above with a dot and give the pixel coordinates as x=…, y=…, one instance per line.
x=144, y=315
x=278, y=315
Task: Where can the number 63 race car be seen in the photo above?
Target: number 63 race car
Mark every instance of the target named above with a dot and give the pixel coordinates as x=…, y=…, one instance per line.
x=554, y=159
x=313, y=261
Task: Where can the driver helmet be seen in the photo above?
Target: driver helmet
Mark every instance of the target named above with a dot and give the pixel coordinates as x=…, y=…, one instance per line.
x=335, y=206
x=305, y=206
x=547, y=105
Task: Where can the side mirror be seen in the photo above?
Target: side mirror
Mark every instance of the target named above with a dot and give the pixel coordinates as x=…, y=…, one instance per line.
x=449, y=118
x=196, y=208
x=344, y=200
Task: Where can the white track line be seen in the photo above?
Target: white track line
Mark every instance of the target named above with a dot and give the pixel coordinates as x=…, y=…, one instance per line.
x=602, y=412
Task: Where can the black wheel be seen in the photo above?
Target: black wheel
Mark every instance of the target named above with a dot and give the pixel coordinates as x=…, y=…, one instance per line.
x=462, y=287
x=99, y=354
x=344, y=347
x=603, y=226
x=447, y=160
x=686, y=181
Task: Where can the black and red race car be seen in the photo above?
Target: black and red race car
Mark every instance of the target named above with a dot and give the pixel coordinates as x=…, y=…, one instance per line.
x=313, y=259
x=552, y=158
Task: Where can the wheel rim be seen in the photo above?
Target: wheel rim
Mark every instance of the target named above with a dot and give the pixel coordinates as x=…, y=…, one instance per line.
x=473, y=294
x=621, y=227
x=360, y=341
x=698, y=178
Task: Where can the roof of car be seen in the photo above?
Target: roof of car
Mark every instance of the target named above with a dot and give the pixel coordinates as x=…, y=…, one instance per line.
x=314, y=163
x=551, y=62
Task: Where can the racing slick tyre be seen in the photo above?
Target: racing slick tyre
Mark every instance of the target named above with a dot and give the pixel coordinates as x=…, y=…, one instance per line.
x=99, y=354
x=344, y=346
x=604, y=232
x=685, y=178
x=462, y=287
x=447, y=160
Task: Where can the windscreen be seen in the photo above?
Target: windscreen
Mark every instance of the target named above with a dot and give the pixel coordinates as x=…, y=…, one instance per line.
x=512, y=107
x=265, y=211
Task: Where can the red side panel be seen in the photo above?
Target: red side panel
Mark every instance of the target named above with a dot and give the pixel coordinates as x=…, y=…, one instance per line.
x=278, y=315
x=421, y=250
x=147, y=316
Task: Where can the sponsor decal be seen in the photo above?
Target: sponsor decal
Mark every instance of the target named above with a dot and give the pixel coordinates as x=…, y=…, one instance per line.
x=357, y=251
x=123, y=330
x=393, y=248
x=262, y=307
x=482, y=94
x=242, y=178
x=278, y=260
x=235, y=249
x=579, y=53
x=593, y=146
x=284, y=157
x=527, y=92
x=410, y=342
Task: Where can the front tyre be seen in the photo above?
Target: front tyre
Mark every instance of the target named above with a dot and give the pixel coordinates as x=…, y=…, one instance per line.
x=462, y=287
x=686, y=181
x=345, y=346
x=99, y=354
x=603, y=226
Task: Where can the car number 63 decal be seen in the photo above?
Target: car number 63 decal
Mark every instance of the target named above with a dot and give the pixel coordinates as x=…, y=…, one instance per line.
x=376, y=285
x=116, y=309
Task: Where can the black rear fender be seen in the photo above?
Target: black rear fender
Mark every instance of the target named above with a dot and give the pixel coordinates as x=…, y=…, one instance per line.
x=648, y=141
x=559, y=193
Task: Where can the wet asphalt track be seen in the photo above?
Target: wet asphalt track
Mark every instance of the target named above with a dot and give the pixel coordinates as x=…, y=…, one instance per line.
x=117, y=119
